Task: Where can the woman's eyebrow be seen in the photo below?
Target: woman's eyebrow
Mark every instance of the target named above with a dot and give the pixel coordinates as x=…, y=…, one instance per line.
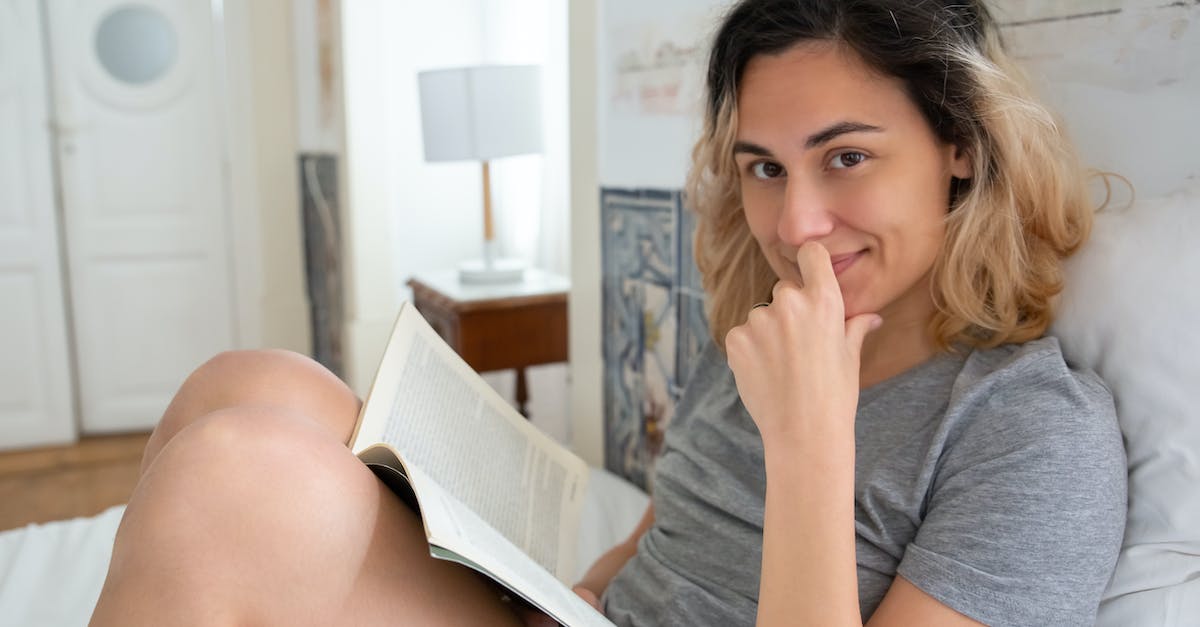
x=822, y=136
x=754, y=149
x=831, y=132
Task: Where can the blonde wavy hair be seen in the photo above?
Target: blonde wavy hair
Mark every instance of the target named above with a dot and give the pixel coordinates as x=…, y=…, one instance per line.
x=1008, y=228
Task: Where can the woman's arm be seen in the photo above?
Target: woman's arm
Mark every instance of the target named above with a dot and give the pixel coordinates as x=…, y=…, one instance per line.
x=796, y=365
x=597, y=577
x=596, y=580
x=809, y=570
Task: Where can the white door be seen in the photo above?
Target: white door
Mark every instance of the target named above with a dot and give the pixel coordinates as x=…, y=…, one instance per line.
x=36, y=406
x=143, y=192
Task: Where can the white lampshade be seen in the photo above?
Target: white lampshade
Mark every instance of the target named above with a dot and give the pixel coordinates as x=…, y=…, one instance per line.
x=481, y=113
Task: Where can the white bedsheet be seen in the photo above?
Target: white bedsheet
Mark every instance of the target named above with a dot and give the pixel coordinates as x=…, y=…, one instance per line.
x=50, y=574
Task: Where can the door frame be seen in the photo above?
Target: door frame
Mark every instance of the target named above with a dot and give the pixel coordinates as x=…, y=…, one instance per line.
x=231, y=25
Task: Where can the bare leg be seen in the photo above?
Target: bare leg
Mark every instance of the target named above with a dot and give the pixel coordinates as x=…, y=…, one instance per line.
x=255, y=512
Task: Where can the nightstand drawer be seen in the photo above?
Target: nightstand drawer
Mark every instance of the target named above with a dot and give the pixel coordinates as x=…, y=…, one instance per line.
x=513, y=337
x=498, y=327
x=497, y=333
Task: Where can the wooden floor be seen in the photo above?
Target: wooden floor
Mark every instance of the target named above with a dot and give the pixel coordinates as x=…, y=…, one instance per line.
x=41, y=485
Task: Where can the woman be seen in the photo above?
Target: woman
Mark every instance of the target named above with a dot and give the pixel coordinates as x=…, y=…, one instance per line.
x=910, y=452
x=878, y=433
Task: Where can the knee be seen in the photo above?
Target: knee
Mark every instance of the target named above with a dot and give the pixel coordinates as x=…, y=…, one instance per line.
x=258, y=474
x=272, y=378
x=246, y=500
x=259, y=438
x=230, y=377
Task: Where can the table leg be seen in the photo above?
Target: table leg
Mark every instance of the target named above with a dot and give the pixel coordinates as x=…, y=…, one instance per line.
x=522, y=392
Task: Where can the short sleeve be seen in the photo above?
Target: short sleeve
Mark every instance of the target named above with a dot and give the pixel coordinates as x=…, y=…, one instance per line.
x=1026, y=510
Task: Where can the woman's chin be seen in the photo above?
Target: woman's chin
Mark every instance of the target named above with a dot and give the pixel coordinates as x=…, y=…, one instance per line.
x=852, y=305
x=857, y=307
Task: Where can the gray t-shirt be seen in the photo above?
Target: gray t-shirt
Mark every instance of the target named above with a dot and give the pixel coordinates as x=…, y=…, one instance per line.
x=994, y=481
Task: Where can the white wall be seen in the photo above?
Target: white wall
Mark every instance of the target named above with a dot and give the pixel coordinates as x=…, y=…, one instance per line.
x=317, y=69
x=370, y=282
x=645, y=140
x=1126, y=83
x=587, y=374
x=267, y=177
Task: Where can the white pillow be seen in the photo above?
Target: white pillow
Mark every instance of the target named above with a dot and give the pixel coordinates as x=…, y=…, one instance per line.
x=612, y=508
x=1131, y=312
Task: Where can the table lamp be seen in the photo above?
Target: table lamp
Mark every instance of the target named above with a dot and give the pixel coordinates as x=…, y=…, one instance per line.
x=482, y=113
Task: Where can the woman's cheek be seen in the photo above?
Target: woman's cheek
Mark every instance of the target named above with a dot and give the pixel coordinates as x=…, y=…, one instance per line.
x=761, y=219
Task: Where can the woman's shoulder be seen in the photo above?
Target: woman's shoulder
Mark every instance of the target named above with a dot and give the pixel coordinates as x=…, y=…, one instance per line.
x=1032, y=370
x=1031, y=453
x=1029, y=390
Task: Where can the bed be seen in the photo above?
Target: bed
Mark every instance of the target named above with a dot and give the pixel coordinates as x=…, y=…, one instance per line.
x=1131, y=312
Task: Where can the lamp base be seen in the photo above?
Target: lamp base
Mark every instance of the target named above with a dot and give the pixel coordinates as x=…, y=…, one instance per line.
x=477, y=272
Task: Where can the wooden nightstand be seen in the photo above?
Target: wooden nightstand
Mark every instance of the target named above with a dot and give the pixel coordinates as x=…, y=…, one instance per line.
x=498, y=327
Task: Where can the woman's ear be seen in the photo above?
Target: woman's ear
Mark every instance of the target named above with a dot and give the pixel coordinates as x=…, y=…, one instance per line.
x=961, y=164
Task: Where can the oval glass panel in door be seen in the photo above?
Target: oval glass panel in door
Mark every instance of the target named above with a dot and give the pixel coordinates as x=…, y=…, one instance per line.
x=136, y=44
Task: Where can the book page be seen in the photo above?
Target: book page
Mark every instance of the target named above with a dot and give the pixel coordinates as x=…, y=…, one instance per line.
x=445, y=421
x=501, y=560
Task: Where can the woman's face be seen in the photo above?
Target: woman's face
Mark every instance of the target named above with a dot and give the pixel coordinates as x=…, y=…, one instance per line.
x=832, y=152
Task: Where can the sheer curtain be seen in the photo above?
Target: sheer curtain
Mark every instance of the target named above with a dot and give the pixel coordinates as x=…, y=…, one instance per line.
x=531, y=192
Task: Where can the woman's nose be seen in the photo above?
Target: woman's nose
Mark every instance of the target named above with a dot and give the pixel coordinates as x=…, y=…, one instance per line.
x=805, y=215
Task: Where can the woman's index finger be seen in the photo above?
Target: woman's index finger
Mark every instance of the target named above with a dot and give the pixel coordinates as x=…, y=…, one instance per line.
x=816, y=269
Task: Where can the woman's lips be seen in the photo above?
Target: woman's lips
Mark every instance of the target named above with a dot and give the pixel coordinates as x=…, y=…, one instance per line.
x=842, y=262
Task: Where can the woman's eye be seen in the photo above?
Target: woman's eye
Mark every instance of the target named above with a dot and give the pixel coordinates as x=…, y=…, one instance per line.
x=766, y=170
x=846, y=160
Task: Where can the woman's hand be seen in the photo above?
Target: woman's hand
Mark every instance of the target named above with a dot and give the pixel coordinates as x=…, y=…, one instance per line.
x=587, y=595
x=796, y=361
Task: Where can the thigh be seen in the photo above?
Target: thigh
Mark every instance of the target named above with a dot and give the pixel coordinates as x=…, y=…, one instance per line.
x=424, y=589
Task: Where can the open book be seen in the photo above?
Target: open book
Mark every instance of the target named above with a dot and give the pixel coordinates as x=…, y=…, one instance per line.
x=494, y=492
